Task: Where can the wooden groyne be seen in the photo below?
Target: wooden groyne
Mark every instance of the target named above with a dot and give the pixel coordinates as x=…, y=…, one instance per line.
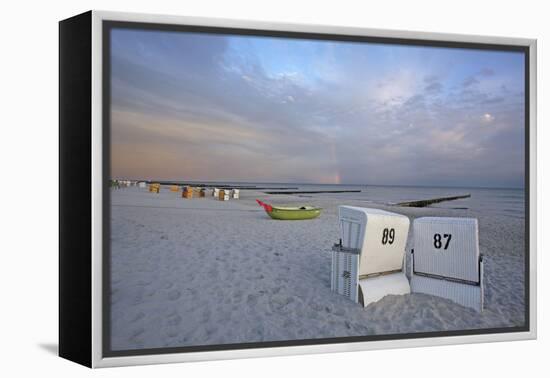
x=313, y=192
x=219, y=185
x=428, y=202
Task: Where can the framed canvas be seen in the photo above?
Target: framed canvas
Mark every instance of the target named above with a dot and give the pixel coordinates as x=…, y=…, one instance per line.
x=235, y=188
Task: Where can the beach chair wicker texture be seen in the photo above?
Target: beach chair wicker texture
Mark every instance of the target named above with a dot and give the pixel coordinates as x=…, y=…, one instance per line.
x=446, y=261
x=463, y=294
x=344, y=274
x=447, y=247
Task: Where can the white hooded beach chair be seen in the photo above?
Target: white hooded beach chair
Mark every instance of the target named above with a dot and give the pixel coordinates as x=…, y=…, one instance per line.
x=445, y=260
x=367, y=264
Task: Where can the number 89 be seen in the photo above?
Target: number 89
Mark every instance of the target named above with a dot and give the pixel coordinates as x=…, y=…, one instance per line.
x=388, y=236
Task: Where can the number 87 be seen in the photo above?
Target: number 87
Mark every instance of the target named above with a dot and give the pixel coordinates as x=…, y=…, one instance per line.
x=438, y=243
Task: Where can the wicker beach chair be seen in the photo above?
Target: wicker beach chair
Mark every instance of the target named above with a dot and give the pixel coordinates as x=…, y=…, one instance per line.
x=446, y=262
x=223, y=195
x=367, y=264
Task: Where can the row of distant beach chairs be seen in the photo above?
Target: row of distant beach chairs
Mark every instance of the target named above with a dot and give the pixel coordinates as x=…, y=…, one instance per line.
x=368, y=263
x=190, y=192
x=117, y=184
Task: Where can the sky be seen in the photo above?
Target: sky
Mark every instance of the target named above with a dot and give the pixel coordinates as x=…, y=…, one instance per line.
x=207, y=107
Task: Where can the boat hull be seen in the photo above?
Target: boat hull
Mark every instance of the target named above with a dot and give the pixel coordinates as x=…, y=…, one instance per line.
x=298, y=214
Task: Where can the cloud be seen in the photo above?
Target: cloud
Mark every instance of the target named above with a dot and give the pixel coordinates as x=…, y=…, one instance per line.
x=478, y=77
x=488, y=117
x=434, y=87
x=470, y=81
x=222, y=114
x=486, y=72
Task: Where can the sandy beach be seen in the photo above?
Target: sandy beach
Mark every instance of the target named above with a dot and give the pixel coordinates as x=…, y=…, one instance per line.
x=202, y=272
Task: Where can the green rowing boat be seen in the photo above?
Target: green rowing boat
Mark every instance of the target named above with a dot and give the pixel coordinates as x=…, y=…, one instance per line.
x=290, y=213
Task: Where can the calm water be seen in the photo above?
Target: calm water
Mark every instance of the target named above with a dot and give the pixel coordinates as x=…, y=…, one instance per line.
x=510, y=202
x=507, y=202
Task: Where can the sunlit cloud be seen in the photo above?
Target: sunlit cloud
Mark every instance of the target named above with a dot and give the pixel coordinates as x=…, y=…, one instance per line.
x=488, y=117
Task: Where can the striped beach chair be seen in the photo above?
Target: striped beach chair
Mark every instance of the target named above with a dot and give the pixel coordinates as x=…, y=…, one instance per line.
x=445, y=260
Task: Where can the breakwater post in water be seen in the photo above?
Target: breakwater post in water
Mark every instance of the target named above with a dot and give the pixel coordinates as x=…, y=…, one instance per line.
x=313, y=192
x=428, y=202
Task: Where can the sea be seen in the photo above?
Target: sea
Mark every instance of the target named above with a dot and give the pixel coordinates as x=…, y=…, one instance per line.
x=491, y=201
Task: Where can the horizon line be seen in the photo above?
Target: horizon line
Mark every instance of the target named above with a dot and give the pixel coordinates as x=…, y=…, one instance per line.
x=340, y=184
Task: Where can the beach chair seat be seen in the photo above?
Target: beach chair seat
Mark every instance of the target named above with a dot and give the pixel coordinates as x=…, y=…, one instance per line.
x=367, y=263
x=445, y=260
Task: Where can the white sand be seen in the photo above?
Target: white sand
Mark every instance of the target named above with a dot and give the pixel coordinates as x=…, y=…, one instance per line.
x=201, y=271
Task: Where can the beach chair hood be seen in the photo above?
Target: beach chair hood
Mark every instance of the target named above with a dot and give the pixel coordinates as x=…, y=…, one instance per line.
x=447, y=247
x=379, y=234
x=446, y=261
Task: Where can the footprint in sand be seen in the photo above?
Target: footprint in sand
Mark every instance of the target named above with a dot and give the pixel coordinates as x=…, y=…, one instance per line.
x=140, y=315
x=252, y=299
x=206, y=315
x=173, y=295
x=213, y=273
x=238, y=296
x=136, y=333
x=171, y=312
x=315, y=306
x=279, y=302
x=168, y=285
x=211, y=329
x=339, y=312
x=138, y=299
x=171, y=332
x=174, y=320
